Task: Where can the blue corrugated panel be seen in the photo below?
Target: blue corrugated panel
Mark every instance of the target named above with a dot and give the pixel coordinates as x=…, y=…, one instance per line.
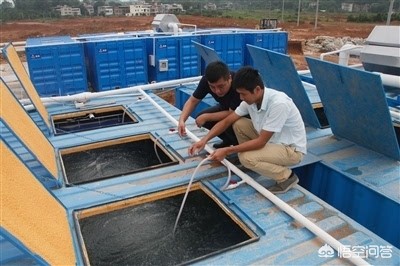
x=164, y=52
x=229, y=48
x=348, y=95
x=271, y=40
x=114, y=64
x=273, y=66
x=56, y=65
x=189, y=58
x=13, y=252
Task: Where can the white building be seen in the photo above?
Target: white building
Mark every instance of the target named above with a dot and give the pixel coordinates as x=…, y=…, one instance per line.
x=355, y=7
x=89, y=8
x=172, y=8
x=347, y=7
x=69, y=11
x=139, y=10
x=105, y=10
x=210, y=6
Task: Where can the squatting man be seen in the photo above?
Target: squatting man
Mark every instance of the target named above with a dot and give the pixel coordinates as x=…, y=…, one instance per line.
x=217, y=82
x=274, y=137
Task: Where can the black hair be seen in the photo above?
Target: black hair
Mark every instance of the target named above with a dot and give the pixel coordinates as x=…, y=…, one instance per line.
x=216, y=70
x=247, y=78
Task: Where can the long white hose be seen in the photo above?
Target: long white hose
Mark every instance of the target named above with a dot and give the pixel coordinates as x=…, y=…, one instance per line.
x=186, y=193
x=190, y=184
x=334, y=243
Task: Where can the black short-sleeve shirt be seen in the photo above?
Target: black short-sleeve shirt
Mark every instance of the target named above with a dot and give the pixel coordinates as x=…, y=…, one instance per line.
x=230, y=100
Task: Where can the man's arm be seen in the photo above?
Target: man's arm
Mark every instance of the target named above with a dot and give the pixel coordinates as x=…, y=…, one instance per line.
x=187, y=109
x=251, y=145
x=216, y=130
x=206, y=117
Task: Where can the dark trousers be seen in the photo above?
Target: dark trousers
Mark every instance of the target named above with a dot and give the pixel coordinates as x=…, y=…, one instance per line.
x=228, y=136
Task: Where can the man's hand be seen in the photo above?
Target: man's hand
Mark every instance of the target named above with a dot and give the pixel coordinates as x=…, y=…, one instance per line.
x=218, y=154
x=181, y=129
x=196, y=148
x=201, y=120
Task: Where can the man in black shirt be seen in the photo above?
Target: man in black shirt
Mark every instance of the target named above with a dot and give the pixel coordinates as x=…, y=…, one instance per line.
x=217, y=81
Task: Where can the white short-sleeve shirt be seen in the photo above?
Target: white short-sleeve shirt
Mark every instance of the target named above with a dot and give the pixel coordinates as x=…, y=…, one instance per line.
x=280, y=115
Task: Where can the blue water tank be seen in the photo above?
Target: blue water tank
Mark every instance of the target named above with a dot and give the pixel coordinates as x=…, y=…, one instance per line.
x=183, y=93
x=173, y=57
x=190, y=63
x=228, y=46
x=163, y=58
x=115, y=63
x=271, y=40
x=56, y=65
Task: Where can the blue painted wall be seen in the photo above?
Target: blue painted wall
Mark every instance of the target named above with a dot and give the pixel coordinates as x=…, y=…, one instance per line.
x=371, y=209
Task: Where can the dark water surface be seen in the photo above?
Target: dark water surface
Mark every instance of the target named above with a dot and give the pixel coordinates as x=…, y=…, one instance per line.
x=99, y=120
x=142, y=235
x=110, y=161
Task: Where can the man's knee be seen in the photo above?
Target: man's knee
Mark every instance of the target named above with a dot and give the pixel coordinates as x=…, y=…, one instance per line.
x=245, y=160
x=239, y=124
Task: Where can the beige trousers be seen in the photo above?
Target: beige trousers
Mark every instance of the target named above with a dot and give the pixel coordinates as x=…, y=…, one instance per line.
x=272, y=160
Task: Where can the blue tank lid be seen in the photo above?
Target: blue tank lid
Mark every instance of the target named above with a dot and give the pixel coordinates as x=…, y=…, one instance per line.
x=53, y=40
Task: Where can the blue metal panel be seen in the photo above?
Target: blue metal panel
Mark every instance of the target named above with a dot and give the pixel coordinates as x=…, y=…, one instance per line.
x=53, y=40
x=354, y=199
x=165, y=50
x=355, y=105
x=278, y=72
x=134, y=61
x=116, y=64
x=271, y=40
x=183, y=93
x=189, y=60
x=307, y=78
x=43, y=70
x=229, y=48
x=207, y=54
x=27, y=157
x=93, y=36
x=72, y=70
x=13, y=252
x=56, y=65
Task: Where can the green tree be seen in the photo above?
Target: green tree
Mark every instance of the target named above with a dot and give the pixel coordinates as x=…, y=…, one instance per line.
x=6, y=5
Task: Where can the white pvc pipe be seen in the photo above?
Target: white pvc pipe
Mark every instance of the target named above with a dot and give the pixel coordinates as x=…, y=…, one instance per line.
x=84, y=96
x=395, y=114
x=334, y=243
x=190, y=25
x=346, y=49
x=174, y=27
x=389, y=80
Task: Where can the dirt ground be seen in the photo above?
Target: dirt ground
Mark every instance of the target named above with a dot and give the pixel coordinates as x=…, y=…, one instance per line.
x=21, y=30
x=298, y=35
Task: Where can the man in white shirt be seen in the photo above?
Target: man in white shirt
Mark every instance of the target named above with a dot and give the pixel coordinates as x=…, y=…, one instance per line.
x=271, y=141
